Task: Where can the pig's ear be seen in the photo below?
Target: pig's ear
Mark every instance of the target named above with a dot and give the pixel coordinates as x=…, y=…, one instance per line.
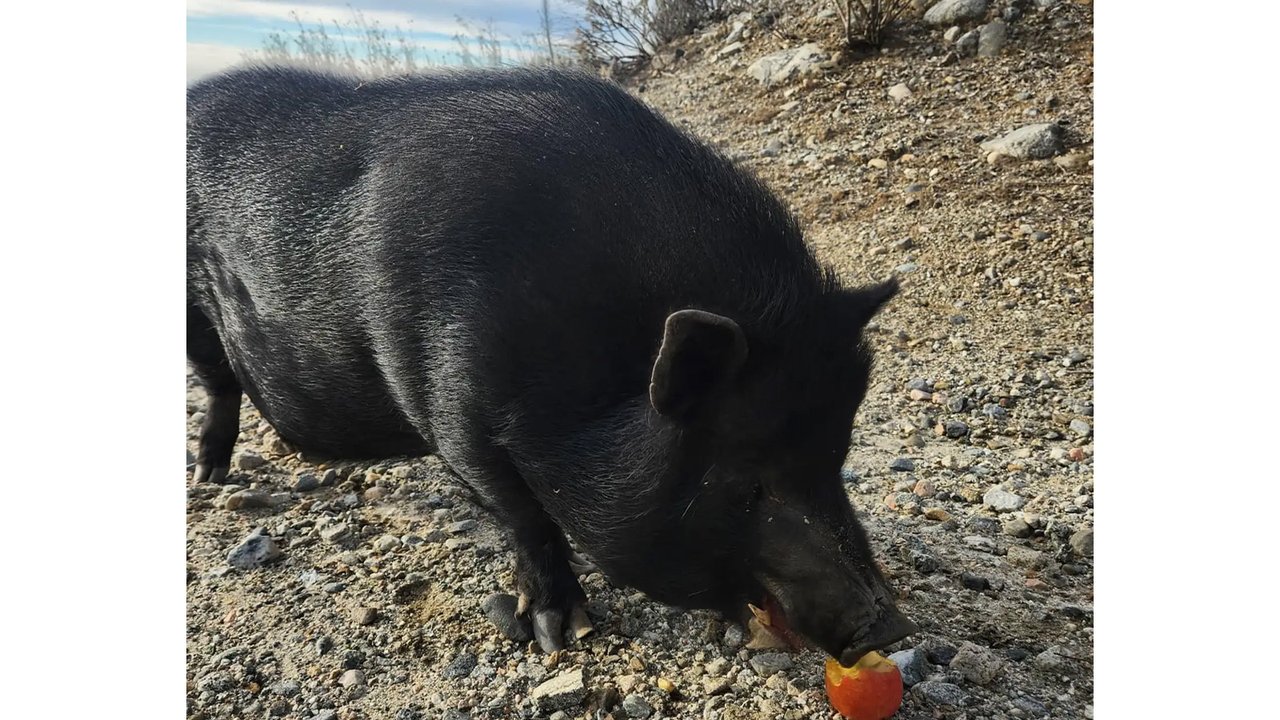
x=864, y=302
x=700, y=350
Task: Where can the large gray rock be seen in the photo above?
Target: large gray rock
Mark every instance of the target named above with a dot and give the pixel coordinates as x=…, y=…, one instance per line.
x=781, y=66
x=912, y=665
x=940, y=693
x=1002, y=500
x=950, y=12
x=1039, y=141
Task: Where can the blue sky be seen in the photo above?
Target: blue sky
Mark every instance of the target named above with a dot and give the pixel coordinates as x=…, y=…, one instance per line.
x=220, y=32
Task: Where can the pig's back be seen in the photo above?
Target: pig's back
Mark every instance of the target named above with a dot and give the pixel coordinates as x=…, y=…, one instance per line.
x=473, y=242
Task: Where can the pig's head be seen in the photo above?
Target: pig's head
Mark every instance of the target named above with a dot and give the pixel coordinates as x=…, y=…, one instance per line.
x=765, y=414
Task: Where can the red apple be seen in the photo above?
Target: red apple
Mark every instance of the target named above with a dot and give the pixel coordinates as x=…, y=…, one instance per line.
x=870, y=690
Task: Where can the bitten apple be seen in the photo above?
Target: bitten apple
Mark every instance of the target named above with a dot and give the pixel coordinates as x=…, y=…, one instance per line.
x=870, y=690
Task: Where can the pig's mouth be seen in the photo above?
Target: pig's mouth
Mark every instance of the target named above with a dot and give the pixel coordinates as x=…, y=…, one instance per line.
x=772, y=621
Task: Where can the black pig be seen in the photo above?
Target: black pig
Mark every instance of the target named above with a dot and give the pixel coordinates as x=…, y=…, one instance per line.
x=599, y=323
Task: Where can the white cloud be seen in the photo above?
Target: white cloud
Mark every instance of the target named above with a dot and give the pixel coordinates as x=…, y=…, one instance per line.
x=208, y=58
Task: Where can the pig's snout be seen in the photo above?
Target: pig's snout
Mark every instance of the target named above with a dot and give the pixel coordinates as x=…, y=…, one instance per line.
x=888, y=629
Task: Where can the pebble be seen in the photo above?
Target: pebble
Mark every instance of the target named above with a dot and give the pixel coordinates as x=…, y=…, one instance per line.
x=900, y=92
x=902, y=464
x=335, y=533
x=967, y=44
x=772, y=149
x=734, y=635
x=912, y=665
x=925, y=489
x=995, y=412
x=878, y=163
x=247, y=499
x=386, y=543
x=1017, y=527
x=306, y=482
x=714, y=686
x=919, y=395
x=907, y=268
x=1002, y=500
x=460, y=527
x=983, y=524
x=325, y=715
x=351, y=678
x=848, y=475
x=365, y=615
x=286, y=688
x=766, y=664
x=460, y=666
x=500, y=608
x=254, y=551
x=1049, y=659
x=952, y=34
x=248, y=460
x=937, y=514
x=974, y=582
x=976, y=664
x=940, y=693
x=920, y=384
x=979, y=542
x=636, y=706
x=561, y=692
x=1082, y=542
x=1031, y=707
x=1081, y=428
x=953, y=429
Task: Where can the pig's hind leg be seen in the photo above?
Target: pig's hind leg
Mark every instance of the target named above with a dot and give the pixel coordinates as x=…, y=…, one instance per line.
x=549, y=592
x=222, y=417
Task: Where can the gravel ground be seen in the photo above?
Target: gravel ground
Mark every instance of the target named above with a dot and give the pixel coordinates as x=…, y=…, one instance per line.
x=359, y=590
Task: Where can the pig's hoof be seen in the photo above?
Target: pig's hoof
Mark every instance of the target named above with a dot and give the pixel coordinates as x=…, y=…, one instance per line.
x=580, y=565
x=579, y=623
x=205, y=474
x=548, y=627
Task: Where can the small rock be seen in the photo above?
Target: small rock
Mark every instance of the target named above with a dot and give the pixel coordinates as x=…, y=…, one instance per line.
x=636, y=706
x=907, y=268
x=772, y=149
x=500, y=608
x=1031, y=707
x=1017, y=527
x=925, y=489
x=561, y=692
x=919, y=395
x=351, y=678
x=976, y=664
x=902, y=464
x=247, y=499
x=953, y=429
x=732, y=48
x=1082, y=542
x=460, y=666
x=1050, y=659
x=734, y=635
x=912, y=665
x=713, y=686
x=937, y=514
x=951, y=34
x=248, y=460
x=940, y=693
x=1081, y=428
x=306, y=482
x=1043, y=140
x=900, y=92
x=878, y=163
x=974, y=582
x=766, y=664
x=979, y=542
x=335, y=533
x=1071, y=161
x=666, y=685
x=967, y=44
x=365, y=615
x=460, y=527
x=1002, y=500
x=950, y=12
x=254, y=551
x=991, y=38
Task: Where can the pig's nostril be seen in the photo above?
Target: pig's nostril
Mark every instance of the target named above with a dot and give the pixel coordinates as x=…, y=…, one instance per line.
x=888, y=630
